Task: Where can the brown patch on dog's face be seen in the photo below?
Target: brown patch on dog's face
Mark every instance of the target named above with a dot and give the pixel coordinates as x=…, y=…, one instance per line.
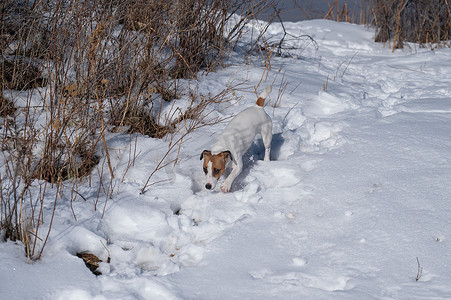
x=218, y=163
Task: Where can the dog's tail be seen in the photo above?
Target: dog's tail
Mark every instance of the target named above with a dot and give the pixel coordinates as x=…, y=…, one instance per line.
x=263, y=95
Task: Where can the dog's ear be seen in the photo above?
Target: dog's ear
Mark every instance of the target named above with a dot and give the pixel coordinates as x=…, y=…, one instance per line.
x=227, y=153
x=204, y=152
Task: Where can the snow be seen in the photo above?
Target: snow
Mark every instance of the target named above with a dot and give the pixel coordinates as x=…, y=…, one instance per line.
x=357, y=189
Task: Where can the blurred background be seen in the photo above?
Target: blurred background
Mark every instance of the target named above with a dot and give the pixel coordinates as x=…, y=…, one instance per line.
x=298, y=10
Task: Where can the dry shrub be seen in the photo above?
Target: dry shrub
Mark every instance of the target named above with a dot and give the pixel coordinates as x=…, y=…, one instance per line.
x=171, y=40
x=418, y=21
x=64, y=161
x=137, y=15
x=341, y=15
x=19, y=217
x=6, y=107
x=20, y=74
x=138, y=119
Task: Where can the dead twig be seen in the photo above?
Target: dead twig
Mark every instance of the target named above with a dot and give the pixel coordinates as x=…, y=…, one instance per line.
x=419, y=272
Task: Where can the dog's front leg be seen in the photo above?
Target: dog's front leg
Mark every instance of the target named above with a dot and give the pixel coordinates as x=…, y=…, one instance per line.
x=266, y=133
x=267, y=153
x=236, y=170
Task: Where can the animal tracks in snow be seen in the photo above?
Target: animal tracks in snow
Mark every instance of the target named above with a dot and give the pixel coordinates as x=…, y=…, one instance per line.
x=278, y=174
x=314, y=124
x=326, y=280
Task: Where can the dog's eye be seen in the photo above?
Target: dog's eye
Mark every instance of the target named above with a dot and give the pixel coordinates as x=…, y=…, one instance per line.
x=215, y=171
x=205, y=170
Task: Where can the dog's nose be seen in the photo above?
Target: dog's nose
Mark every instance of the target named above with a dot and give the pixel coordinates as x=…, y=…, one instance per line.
x=208, y=186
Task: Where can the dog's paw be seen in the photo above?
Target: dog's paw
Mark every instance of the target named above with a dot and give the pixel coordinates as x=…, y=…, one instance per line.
x=225, y=188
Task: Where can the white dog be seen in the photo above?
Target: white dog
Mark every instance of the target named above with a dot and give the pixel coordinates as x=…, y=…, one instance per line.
x=235, y=140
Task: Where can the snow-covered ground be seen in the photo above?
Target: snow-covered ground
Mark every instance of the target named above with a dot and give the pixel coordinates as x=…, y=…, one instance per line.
x=357, y=189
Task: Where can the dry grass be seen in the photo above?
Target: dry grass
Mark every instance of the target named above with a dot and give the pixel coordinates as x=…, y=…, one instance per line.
x=20, y=75
x=91, y=261
x=138, y=119
x=6, y=107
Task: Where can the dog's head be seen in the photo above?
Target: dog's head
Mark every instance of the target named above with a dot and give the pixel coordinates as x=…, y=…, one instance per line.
x=214, y=166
